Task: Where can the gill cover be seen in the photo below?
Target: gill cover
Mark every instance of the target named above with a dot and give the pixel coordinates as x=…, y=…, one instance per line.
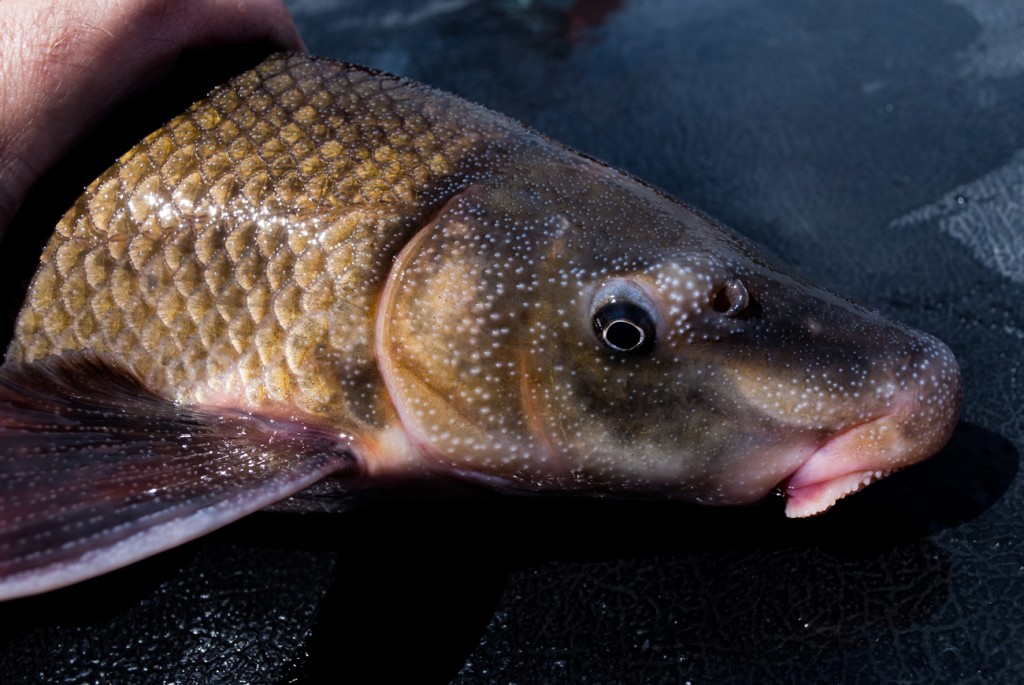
x=450, y=341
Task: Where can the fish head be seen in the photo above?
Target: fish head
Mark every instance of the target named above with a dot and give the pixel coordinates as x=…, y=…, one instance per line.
x=570, y=328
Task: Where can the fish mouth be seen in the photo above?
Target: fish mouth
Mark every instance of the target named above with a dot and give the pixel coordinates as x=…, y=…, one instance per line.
x=856, y=456
x=804, y=500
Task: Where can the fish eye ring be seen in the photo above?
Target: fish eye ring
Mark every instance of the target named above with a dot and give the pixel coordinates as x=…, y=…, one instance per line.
x=625, y=326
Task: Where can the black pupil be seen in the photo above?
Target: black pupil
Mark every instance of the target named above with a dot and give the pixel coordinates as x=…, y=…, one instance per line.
x=625, y=327
x=623, y=335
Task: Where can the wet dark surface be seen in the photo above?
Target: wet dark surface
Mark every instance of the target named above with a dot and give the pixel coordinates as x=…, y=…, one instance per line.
x=876, y=147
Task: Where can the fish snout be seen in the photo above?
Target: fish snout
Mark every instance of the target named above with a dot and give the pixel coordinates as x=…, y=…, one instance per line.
x=920, y=409
x=932, y=377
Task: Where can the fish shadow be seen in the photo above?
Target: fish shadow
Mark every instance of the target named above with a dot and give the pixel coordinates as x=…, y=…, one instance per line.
x=425, y=579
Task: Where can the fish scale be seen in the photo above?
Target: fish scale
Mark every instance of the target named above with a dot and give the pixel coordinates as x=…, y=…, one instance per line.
x=240, y=224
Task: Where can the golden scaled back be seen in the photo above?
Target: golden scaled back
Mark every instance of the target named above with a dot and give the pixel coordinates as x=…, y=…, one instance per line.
x=238, y=251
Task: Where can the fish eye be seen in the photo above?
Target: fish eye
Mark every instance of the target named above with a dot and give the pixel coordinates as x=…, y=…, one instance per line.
x=625, y=326
x=624, y=316
x=732, y=298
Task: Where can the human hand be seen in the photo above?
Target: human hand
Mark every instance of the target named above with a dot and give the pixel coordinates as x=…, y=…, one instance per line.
x=65, y=63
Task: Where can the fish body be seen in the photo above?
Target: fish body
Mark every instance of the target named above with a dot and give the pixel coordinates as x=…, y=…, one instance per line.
x=324, y=271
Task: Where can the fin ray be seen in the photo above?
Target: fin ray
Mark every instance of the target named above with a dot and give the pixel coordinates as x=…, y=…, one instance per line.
x=97, y=471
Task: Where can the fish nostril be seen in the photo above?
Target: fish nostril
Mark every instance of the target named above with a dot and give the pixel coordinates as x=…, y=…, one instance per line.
x=732, y=298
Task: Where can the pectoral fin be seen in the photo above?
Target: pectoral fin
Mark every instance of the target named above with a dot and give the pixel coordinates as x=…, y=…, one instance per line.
x=97, y=472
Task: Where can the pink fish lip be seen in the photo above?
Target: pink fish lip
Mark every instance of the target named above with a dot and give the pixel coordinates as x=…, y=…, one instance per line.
x=854, y=457
x=804, y=500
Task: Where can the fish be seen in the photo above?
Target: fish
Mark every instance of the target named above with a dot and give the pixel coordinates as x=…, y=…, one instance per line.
x=321, y=273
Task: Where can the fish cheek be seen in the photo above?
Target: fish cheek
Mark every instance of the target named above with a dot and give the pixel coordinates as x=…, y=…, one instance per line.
x=620, y=422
